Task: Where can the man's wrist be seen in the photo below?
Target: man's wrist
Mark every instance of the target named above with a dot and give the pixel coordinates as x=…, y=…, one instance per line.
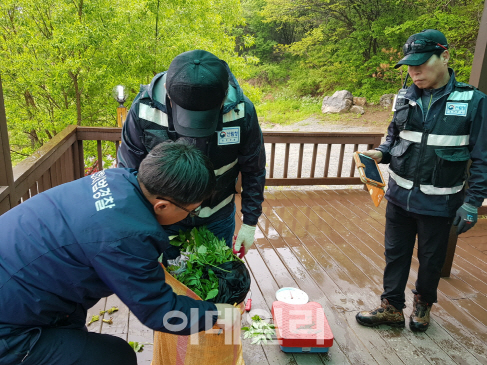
x=470, y=208
x=249, y=222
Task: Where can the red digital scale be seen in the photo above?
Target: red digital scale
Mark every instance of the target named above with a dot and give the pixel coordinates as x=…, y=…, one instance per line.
x=301, y=327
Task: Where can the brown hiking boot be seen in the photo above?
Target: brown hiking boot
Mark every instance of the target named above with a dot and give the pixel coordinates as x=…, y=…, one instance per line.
x=385, y=314
x=419, y=319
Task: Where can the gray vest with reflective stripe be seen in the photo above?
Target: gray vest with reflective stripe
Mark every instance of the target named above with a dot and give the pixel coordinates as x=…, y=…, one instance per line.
x=224, y=157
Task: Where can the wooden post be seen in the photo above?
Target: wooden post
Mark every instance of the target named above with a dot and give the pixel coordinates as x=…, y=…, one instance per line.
x=7, y=191
x=450, y=253
x=121, y=115
x=478, y=76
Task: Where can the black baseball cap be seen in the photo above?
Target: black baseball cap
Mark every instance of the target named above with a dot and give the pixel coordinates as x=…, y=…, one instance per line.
x=421, y=46
x=196, y=83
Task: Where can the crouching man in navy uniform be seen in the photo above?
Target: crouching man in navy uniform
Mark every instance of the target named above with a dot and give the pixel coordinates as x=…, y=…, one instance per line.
x=198, y=99
x=439, y=124
x=64, y=249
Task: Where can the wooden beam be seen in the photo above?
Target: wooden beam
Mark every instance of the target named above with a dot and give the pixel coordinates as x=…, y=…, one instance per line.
x=99, y=133
x=6, y=172
x=289, y=181
x=321, y=137
x=478, y=76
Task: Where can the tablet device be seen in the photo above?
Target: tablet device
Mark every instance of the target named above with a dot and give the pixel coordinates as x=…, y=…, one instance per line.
x=371, y=176
x=368, y=170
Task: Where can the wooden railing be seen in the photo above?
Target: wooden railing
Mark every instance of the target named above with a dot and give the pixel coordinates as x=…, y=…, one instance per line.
x=59, y=161
x=336, y=151
x=62, y=159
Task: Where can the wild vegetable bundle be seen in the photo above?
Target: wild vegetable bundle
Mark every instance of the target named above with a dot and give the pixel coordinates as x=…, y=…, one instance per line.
x=208, y=267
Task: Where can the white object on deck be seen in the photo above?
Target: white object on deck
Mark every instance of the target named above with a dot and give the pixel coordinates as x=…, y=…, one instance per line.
x=292, y=296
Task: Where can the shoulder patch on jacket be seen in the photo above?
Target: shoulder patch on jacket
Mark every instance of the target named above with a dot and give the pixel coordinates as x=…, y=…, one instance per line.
x=228, y=136
x=459, y=109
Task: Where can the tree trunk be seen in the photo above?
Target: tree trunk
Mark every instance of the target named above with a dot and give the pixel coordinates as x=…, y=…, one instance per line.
x=74, y=77
x=34, y=138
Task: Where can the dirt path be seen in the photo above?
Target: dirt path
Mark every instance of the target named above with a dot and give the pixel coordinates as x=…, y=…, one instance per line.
x=375, y=119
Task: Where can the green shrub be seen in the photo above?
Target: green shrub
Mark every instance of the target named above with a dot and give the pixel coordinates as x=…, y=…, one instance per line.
x=287, y=110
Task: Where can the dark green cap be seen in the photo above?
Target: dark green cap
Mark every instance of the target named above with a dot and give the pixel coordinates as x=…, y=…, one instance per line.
x=197, y=83
x=421, y=46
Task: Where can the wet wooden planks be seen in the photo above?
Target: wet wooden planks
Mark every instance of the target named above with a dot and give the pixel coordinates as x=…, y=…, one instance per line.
x=329, y=243
x=125, y=325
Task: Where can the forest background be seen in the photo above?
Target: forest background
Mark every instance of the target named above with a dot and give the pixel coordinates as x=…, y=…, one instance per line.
x=61, y=59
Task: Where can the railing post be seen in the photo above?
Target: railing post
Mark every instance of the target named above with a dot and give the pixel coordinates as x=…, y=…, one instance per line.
x=121, y=115
x=6, y=172
x=478, y=76
x=120, y=94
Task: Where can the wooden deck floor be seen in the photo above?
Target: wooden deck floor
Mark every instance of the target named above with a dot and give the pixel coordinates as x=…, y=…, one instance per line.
x=329, y=243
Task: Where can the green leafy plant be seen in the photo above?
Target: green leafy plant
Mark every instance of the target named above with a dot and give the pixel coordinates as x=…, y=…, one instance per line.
x=259, y=331
x=137, y=346
x=202, y=252
x=95, y=318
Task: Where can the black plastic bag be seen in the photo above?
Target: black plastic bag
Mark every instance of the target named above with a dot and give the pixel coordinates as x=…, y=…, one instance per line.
x=233, y=282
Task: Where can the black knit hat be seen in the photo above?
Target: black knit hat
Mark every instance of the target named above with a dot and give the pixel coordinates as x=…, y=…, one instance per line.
x=197, y=83
x=421, y=46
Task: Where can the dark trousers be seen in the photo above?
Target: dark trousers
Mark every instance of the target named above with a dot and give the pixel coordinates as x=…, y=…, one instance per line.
x=400, y=235
x=78, y=347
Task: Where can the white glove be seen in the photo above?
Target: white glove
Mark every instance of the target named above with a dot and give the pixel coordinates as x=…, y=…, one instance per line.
x=246, y=237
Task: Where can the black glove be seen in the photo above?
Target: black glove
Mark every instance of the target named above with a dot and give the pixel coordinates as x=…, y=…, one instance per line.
x=465, y=218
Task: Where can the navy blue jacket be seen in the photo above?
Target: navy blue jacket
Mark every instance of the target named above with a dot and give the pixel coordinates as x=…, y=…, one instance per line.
x=64, y=249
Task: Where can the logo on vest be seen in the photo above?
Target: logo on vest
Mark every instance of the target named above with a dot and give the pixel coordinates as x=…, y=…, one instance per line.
x=459, y=109
x=229, y=135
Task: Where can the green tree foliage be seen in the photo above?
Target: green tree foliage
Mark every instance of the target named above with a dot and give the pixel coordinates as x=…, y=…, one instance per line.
x=265, y=33
x=354, y=45
x=60, y=59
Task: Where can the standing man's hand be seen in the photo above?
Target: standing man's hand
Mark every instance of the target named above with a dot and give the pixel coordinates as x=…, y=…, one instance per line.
x=376, y=155
x=245, y=237
x=466, y=218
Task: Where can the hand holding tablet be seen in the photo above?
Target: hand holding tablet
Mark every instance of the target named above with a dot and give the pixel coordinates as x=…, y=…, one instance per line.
x=371, y=176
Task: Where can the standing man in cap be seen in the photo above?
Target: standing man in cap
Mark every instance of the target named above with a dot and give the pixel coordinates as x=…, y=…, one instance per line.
x=200, y=100
x=437, y=127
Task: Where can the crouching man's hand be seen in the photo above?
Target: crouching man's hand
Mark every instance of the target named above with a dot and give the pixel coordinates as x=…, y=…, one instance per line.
x=228, y=316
